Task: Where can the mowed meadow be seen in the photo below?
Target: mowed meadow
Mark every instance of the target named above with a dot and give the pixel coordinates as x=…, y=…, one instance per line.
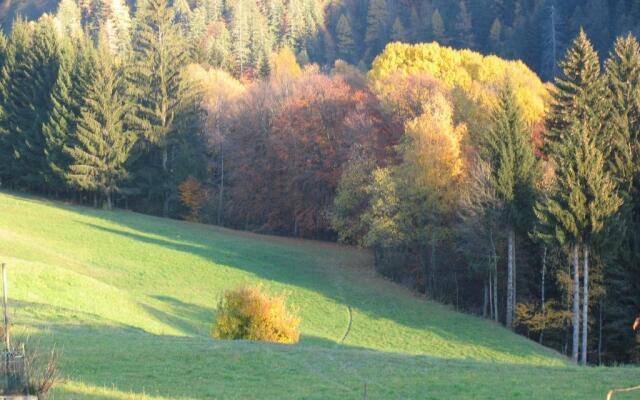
x=131, y=300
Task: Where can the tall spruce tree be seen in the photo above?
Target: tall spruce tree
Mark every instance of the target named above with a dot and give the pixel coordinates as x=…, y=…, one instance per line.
x=28, y=104
x=585, y=195
x=439, y=29
x=164, y=99
x=60, y=126
x=344, y=40
x=376, y=33
x=6, y=152
x=506, y=147
x=398, y=33
x=102, y=143
x=622, y=278
x=465, y=37
x=623, y=81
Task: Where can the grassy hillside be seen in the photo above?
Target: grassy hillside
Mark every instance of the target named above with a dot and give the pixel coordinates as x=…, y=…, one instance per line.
x=131, y=299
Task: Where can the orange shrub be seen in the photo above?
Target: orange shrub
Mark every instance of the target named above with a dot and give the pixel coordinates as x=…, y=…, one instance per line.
x=249, y=314
x=193, y=196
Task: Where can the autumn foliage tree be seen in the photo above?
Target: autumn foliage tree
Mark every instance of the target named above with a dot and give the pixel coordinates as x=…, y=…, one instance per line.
x=193, y=196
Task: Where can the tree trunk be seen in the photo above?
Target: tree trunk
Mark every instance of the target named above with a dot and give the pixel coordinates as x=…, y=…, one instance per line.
x=542, y=294
x=600, y=334
x=455, y=278
x=109, y=204
x=432, y=268
x=221, y=191
x=485, y=299
x=425, y=269
x=495, y=277
x=585, y=305
x=166, y=194
x=165, y=205
x=510, y=278
x=576, y=303
x=95, y=200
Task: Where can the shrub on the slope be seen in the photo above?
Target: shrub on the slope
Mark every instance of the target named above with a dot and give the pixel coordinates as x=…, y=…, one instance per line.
x=249, y=314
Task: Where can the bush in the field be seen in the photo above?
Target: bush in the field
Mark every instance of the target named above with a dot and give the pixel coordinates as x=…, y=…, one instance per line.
x=249, y=314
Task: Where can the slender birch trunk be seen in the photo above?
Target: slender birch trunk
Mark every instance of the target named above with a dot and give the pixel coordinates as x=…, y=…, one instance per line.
x=576, y=303
x=585, y=305
x=510, y=278
x=485, y=300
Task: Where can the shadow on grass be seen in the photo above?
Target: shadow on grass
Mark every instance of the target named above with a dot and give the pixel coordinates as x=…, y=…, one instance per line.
x=306, y=266
x=293, y=266
x=188, y=318
x=130, y=364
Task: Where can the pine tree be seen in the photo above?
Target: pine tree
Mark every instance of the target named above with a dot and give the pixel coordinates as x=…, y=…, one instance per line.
x=506, y=147
x=240, y=34
x=465, y=38
x=344, y=40
x=415, y=30
x=376, y=33
x=585, y=197
x=495, y=37
x=163, y=97
x=69, y=16
x=439, y=30
x=623, y=78
x=102, y=143
x=397, y=31
x=60, y=126
x=28, y=104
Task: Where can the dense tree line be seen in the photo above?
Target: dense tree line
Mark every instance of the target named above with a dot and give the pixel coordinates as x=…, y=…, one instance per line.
x=239, y=35
x=470, y=179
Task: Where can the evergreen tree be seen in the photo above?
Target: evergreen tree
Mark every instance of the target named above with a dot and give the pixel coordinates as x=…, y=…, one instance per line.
x=164, y=99
x=622, y=280
x=28, y=104
x=623, y=78
x=414, y=25
x=439, y=30
x=495, y=37
x=60, y=126
x=344, y=40
x=585, y=197
x=397, y=31
x=240, y=34
x=69, y=16
x=506, y=147
x=465, y=38
x=376, y=33
x=102, y=143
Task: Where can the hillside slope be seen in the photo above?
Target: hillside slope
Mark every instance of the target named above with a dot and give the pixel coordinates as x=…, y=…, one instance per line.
x=131, y=298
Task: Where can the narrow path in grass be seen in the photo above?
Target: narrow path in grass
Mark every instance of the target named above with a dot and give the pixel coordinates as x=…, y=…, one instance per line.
x=346, y=333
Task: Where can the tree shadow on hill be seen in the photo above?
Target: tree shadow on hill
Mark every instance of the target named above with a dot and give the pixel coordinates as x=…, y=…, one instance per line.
x=190, y=319
x=303, y=268
x=129, y=362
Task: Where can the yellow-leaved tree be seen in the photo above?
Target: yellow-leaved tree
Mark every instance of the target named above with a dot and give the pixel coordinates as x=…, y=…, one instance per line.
x=474, y=79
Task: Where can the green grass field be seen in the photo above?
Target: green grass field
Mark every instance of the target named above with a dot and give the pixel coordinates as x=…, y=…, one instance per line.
x=131, y=300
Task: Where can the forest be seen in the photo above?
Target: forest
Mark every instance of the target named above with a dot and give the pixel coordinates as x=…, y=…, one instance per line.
x=486, y=154
x=239, y=35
